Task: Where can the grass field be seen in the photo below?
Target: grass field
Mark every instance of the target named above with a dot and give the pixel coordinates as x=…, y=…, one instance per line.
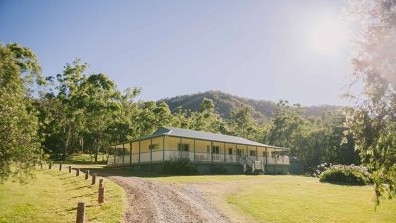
x=53, y=197
x=289, y=199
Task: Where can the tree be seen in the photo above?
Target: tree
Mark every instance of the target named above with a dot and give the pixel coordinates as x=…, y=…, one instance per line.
x=373, y=122
x=99, y=100
x=19, y=142
x=182, y=119
x=80, y=109
x=287, y=126
x=313, y=140
x=242, y=124
x=338, y=151
x=124, y=127
x=206, y=119
x=63, y=109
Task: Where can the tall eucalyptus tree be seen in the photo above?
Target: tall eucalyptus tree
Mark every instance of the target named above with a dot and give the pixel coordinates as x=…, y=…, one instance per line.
x=20, y=146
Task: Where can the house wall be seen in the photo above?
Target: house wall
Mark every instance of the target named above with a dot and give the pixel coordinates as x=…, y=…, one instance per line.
x=145, y=150
x=135, y=152
x=157, y=145
x=202, y=151
x=171, y=145
x=230, y=152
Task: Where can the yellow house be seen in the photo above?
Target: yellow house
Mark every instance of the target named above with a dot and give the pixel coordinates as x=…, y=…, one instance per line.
x=204, y=149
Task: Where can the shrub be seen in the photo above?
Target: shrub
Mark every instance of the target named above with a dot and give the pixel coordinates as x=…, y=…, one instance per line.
x=320, y=169
x=349, y=175
x=179, y=167
x=218, y=169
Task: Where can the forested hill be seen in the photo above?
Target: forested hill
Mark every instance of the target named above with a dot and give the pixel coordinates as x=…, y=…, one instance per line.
x=225, y=103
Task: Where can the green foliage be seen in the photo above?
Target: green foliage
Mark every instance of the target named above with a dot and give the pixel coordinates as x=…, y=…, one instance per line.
x=19, y=142
x=81, y=112
x=372, y=122
x=62, y=110
x=179, y=167
x=287, y=126
x=241, y=123
x=349, y=175
x=312, y=140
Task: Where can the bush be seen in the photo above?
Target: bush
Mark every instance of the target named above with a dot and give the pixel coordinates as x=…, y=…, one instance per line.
x=179, y=167
x=349, y=175
x=320, y=169
x=217, y=169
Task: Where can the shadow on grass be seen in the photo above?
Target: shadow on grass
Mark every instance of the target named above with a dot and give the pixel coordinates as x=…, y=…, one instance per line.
x=105, y=171
x=81, y=187
x=124, y=171
x=84, y=195
x=75, y=208
x=346, y=184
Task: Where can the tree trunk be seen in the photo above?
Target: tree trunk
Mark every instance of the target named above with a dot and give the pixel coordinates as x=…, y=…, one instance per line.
x=66, y=147
x=96, y=150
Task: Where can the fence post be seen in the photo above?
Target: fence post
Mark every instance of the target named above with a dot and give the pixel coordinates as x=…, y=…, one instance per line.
x=93, y=178
x=80, y=212
x=101, y=192
x=101, y=195
x=60, y=167
x=86, y=174
x=77, y=172
x=70, y=169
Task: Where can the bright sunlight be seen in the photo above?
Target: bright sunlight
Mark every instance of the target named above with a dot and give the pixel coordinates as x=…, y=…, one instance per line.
x=328, y=35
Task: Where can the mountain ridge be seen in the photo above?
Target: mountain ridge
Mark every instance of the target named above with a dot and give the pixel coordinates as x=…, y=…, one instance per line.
x=225, y=103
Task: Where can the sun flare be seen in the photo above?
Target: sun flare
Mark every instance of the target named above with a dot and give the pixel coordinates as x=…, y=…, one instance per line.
x=328, y=35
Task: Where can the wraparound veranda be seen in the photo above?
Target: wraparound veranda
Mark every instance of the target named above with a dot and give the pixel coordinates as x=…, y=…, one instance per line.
x=205, y=150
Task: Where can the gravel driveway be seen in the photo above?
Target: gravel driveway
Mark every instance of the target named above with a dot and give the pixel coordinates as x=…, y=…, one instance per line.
x=152, y=201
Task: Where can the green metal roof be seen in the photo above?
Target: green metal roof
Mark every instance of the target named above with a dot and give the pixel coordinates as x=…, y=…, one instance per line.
x=186, y=133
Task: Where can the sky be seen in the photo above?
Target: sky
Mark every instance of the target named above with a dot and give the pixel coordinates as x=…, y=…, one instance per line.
x=260, y=49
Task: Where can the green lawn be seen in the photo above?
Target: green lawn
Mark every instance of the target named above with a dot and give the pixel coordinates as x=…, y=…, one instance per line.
x=53, y=197
x=289, y=199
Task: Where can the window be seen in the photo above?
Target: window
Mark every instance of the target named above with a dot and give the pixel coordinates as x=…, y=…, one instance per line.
x=183, y=147
x=216, y=150
x=230, y=151
x=252, y=152
x=265, y=153
x=154, y=146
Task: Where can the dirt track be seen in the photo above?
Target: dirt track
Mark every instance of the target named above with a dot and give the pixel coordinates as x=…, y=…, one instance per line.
x=151, y=201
